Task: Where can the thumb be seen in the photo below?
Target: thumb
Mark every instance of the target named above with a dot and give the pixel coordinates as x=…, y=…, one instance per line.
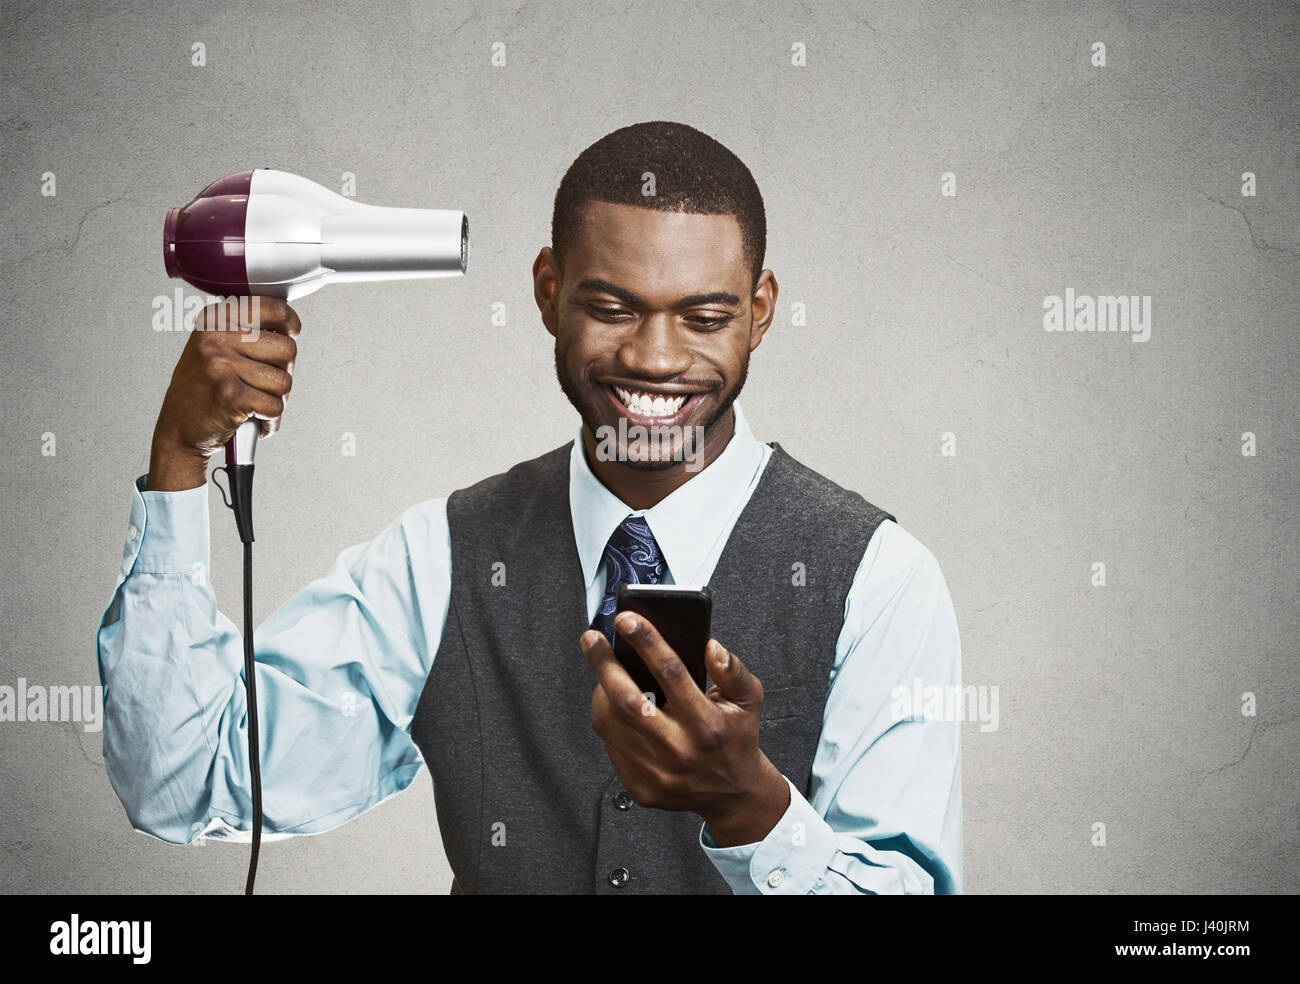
x=732, y=677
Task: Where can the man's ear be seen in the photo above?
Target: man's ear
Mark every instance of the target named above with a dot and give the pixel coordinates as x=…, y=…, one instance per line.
x=763, y=307
x=546, y=288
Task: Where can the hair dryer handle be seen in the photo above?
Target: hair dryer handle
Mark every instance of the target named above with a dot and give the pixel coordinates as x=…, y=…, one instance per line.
x=239, y=474
x=242, y=445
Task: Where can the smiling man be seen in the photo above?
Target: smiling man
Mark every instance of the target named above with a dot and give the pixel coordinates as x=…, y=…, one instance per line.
x=457, y=637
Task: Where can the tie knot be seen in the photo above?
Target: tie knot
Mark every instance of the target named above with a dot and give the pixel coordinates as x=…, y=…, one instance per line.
x=632, y=556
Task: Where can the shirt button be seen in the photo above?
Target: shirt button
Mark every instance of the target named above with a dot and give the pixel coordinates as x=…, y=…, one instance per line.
x=133, y=531
x=618, y=877
x=623, y=801
x=776, y=878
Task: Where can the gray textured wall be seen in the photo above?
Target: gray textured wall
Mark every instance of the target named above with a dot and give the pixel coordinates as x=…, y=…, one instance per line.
x=1119, y=704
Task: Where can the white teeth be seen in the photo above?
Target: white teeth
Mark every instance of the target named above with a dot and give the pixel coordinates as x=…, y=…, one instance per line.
x=648, y=404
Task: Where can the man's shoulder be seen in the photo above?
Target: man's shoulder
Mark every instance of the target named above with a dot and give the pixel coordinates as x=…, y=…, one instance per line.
x=896, y=555
x=502, y=491
x=812, y=495
x=527, y=493
x=526, y=477
x=893, y=554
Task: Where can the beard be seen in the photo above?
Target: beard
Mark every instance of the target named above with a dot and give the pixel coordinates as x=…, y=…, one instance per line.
x=585, y=398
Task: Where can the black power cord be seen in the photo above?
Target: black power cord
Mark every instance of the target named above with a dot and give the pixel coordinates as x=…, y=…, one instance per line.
x=250, y=685
x=240, y=479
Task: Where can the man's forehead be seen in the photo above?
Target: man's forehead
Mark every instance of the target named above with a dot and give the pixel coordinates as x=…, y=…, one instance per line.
x=617, y=240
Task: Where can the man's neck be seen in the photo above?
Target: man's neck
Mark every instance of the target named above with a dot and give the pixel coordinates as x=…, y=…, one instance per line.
x=642, y=488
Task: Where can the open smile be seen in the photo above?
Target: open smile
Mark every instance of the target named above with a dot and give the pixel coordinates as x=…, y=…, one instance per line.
x=652, y=407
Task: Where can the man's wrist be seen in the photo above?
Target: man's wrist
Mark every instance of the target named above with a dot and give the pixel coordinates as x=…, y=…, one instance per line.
x=174, y=467
x=751, y=817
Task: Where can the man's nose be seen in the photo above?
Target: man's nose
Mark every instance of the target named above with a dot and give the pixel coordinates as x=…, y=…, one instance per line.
x=654, y=349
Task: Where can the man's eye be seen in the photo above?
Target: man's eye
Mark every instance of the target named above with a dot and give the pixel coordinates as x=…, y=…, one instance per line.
x=703, y=323
x=709, y=323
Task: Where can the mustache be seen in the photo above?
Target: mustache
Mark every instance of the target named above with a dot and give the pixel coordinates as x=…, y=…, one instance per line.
x=704, y=385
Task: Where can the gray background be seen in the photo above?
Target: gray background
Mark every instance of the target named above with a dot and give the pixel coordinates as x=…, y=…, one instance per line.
x=1118, y=704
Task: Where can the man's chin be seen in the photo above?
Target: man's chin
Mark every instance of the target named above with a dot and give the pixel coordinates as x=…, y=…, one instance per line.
x=648, y=454
x=649, y=464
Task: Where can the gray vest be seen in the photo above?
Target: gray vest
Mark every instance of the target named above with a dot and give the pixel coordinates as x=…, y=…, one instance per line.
x=527, y=799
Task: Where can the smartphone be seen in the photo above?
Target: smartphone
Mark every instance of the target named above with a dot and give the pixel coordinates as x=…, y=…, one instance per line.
x=681, y=613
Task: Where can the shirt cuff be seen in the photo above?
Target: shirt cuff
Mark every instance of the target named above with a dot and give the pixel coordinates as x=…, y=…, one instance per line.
x=167, y=532
x=791, y=860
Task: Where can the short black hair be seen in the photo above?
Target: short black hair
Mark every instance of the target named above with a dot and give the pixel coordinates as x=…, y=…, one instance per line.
x=692, y=173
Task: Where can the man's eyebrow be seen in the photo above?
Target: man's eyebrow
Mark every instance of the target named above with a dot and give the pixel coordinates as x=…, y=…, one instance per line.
x=627, y=297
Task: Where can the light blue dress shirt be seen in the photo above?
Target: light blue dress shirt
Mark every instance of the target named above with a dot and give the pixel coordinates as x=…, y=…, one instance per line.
x=341, y=665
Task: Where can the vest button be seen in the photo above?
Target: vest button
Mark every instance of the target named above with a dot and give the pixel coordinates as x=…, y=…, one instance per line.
x=623, y=801
x=618, y=877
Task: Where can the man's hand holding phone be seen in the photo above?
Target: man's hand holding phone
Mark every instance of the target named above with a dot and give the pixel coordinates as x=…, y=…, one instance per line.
x=699, y=751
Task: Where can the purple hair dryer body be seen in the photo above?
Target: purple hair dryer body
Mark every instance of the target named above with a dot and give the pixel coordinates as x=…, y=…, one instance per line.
x=274, y=234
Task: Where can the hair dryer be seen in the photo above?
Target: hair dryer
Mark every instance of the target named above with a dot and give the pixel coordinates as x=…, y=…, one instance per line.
x=272, y=234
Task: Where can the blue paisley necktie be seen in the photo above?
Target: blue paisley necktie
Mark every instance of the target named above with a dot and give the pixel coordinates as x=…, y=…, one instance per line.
x=631, y=557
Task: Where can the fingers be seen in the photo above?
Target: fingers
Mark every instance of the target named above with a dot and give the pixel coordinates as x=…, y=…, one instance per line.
x=237, y=363
x=680, y=690
x=615, y=732
x=269, y=378
x=259, y=328
x=253, y=337
x=285, y=318
x=731, y=677
x=252, y=314
x=625, y=703
x=269, y=347
x=255, y=402
x=256, y=314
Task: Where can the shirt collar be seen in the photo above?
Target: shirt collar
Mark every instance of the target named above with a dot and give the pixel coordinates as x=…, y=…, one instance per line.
x=685, y=523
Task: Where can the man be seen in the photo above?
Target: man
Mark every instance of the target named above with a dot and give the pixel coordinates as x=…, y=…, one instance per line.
x=457, y=636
